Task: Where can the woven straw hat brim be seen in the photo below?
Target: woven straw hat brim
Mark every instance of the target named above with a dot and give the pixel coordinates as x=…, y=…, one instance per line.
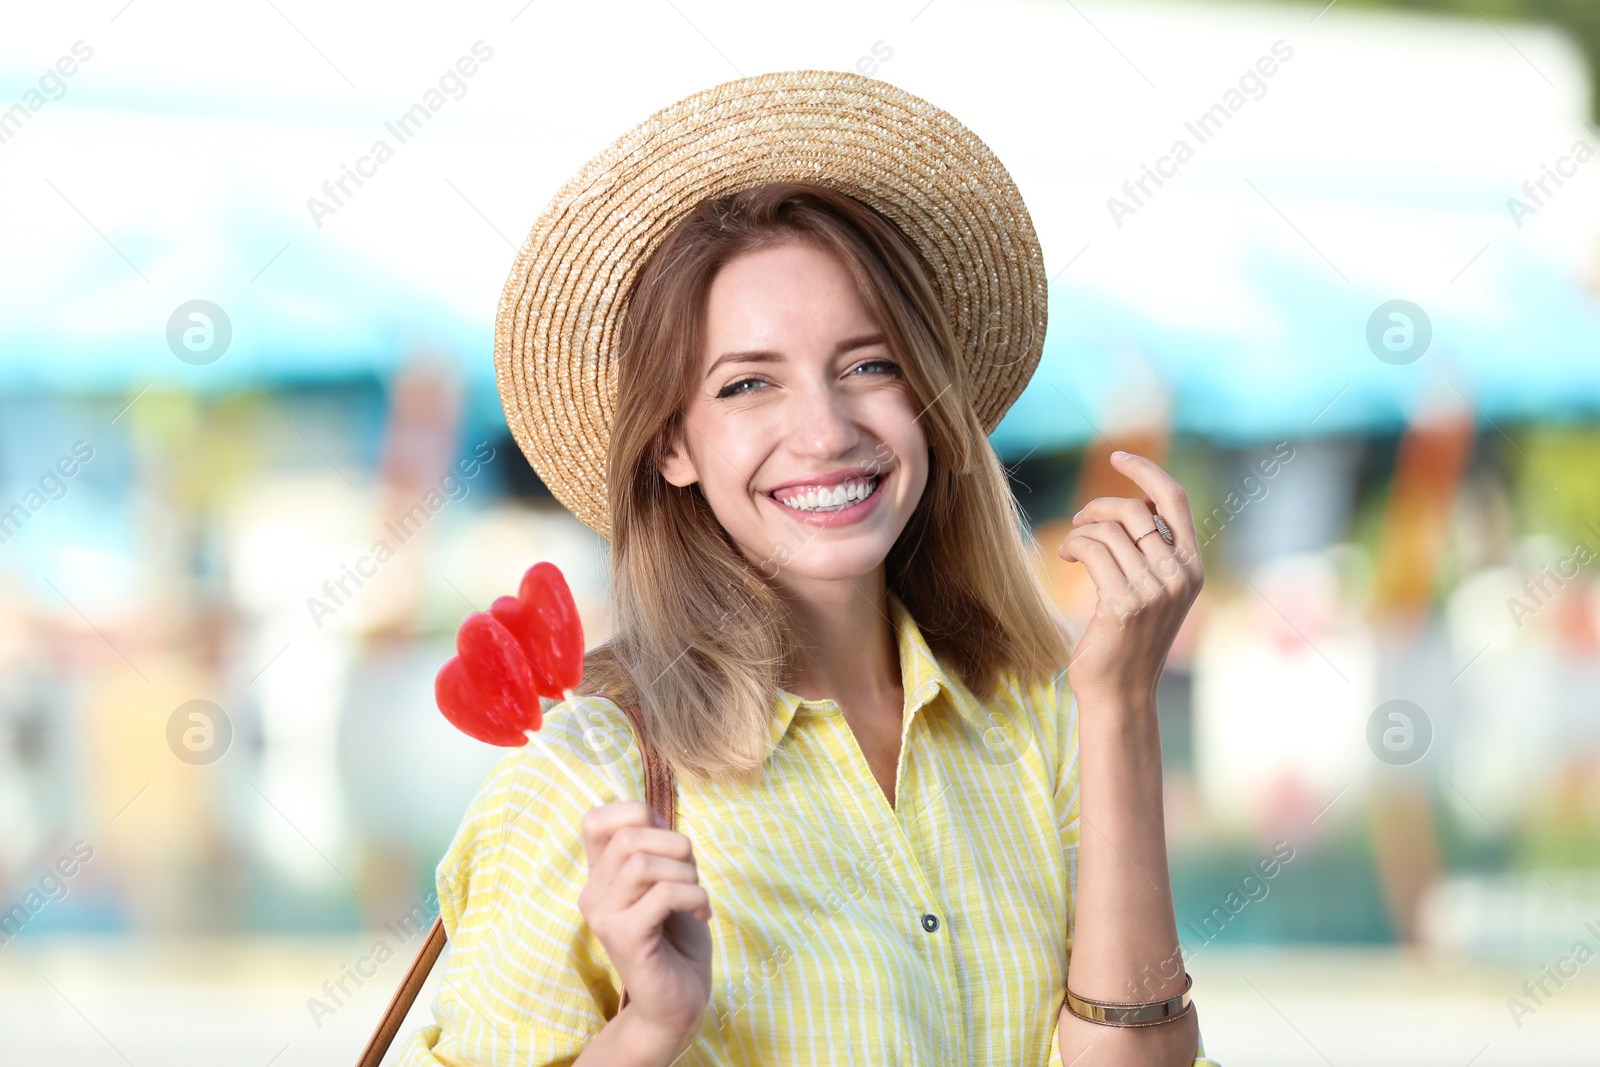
x=558, y=318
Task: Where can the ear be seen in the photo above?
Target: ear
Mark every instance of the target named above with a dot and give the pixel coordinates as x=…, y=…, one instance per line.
x=675, y=464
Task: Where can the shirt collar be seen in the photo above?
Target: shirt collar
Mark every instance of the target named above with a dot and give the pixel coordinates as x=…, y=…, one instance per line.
x=922, y=677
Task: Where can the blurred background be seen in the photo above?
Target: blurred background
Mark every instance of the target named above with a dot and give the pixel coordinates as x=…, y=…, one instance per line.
x=1337, y=267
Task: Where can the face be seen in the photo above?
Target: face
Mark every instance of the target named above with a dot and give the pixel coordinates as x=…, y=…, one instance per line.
x=798, y=409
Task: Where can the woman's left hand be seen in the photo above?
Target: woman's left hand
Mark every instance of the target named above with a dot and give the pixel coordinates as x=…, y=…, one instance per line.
x=1145, y=587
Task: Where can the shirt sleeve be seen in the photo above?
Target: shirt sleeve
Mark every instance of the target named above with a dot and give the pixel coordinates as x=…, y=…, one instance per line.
x=1064, y=713
x=525, y=981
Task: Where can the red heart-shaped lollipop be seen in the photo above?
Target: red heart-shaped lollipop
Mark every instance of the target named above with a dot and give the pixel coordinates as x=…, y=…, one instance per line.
x=554, y=639
x=488, y=690
x=522, y=648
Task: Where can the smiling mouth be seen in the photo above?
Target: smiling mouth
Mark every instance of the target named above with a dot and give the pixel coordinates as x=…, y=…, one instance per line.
x=821, y=502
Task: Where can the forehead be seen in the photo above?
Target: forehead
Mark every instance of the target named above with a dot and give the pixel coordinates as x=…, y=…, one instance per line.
x=792, y=288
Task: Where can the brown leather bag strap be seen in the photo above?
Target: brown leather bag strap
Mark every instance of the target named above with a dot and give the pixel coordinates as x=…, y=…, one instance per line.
x=660, y=787
x=395, y=1013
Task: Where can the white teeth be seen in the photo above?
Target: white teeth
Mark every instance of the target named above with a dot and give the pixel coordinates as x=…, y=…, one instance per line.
x=836, y=498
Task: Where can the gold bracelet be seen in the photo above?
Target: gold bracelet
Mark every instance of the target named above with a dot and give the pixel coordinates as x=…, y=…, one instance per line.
x=1110, y=1013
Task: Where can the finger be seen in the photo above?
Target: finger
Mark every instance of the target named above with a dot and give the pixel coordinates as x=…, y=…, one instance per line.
x=1171, y=501
x=1134, y=564
x=601, y=823
x=1108, y=577
x=631, y=840
x=661, y=901
x=1135, y=517
x=639, y=873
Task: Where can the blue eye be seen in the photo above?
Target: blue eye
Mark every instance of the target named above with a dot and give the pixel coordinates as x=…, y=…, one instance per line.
x=732, y=388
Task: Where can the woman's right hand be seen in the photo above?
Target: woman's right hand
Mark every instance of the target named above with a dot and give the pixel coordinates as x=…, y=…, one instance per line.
x=644, y=902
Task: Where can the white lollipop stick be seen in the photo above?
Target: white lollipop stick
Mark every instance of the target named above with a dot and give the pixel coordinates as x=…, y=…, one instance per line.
x=607, y=765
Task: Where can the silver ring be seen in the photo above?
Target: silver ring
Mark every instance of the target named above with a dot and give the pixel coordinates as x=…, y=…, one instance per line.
x=1166, y=531
x=1161, y=528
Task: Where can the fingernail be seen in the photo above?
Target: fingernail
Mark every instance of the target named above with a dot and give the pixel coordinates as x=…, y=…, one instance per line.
x=1119, y=454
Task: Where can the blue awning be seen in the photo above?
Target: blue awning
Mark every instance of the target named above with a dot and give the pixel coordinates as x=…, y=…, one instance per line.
x=1279, y=347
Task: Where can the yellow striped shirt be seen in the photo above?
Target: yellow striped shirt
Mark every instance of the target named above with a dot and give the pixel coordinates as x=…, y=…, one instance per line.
x=934, y=932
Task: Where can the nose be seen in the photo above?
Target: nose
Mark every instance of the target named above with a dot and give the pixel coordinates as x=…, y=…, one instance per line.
x=823, y=422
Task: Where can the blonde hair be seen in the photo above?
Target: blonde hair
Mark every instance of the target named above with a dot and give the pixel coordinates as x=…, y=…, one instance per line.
x=700, y=637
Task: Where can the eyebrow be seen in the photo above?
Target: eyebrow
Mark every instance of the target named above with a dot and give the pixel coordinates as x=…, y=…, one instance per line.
x=764, y=355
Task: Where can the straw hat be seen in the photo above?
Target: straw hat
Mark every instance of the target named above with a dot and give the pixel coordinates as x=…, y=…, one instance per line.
x=555, y=330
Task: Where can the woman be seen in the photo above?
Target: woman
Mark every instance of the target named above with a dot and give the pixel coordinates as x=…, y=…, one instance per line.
x=821, y=293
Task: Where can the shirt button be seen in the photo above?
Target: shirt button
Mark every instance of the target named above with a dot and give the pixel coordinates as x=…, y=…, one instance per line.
x=930, y=922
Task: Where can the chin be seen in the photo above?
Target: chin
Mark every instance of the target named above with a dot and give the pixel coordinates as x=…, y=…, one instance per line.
x=831, y=564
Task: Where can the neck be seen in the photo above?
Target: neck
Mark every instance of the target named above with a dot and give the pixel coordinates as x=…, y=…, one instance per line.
x=844, y=641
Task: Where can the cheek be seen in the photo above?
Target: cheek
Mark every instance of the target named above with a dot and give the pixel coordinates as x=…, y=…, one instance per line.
x=726, y=456
x=917, y=482
x=908, y=447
